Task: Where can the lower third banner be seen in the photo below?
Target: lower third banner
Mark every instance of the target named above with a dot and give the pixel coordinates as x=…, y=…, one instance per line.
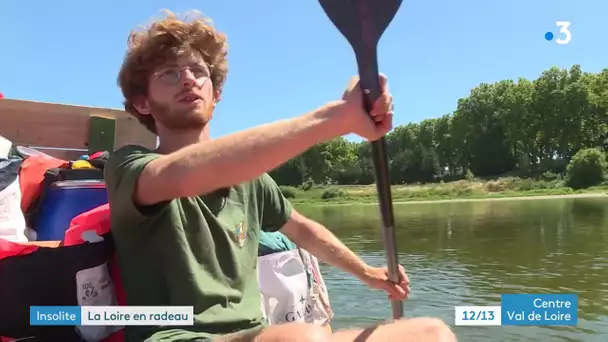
x=539, y=309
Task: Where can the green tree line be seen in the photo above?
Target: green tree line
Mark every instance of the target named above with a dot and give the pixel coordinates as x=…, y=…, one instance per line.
x=509, y=128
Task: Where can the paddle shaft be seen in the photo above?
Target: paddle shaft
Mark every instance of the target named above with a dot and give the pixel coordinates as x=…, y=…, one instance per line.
x=362, y=23
x=370, y=85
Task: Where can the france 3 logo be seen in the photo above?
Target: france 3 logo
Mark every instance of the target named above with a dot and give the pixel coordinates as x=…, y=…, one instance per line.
x=563, y=36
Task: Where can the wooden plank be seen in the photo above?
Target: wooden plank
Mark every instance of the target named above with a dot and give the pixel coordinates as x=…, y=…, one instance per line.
x=51, y=244
x=37, y=124
x=29, y=123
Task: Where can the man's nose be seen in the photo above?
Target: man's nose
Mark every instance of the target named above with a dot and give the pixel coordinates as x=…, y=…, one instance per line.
x=188, y=78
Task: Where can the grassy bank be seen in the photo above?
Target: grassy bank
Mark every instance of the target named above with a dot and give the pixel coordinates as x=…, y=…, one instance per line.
x=463, y=189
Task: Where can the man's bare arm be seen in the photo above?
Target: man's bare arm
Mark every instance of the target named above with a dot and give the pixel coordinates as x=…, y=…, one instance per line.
x=323, y=244
x=205, y=167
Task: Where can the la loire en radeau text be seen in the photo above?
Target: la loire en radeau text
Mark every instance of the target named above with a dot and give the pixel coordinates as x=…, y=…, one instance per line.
x=118, y=316
x=543, y=313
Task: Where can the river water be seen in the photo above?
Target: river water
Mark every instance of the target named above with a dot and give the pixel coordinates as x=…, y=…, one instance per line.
x=468, y=253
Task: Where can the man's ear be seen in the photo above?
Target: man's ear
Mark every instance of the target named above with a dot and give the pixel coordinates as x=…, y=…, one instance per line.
x=142, y=105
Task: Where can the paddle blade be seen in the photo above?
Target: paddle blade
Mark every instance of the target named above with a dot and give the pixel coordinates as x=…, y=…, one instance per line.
x=362, y=22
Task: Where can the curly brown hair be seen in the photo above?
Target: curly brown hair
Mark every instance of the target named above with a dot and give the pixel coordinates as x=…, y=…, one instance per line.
x=166, y=40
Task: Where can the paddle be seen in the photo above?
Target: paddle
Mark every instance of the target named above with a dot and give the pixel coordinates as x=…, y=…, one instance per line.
x=362, y=22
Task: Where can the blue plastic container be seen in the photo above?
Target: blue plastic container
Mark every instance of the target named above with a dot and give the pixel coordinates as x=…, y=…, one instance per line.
x=65, y=200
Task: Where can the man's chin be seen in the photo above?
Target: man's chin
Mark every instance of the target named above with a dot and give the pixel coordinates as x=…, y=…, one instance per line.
x=199, y=113
x=186, y=119
x=206, y=116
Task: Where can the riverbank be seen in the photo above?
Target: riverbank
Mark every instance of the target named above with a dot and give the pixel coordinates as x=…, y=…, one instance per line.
x=507, y=188
x=484, y=199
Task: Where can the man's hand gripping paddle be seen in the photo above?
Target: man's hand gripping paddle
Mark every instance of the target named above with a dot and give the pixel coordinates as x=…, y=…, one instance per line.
x=362, y=22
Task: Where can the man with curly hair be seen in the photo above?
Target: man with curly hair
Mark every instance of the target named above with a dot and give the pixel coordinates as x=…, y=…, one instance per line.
x=187, y=216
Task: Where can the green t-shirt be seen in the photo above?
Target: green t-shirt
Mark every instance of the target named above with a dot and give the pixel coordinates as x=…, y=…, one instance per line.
x=197, y=251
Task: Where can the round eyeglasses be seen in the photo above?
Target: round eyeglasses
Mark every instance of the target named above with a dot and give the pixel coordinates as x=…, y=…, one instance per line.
x=173, y=75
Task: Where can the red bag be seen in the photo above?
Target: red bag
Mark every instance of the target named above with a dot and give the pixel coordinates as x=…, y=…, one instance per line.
x=31, y=176
x=12, y=249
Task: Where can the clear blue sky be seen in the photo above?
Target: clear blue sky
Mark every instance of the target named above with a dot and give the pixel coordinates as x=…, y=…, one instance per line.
x=286, y=57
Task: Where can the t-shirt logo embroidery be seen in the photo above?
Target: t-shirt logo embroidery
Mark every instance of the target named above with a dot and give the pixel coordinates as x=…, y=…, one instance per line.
x=241, y=234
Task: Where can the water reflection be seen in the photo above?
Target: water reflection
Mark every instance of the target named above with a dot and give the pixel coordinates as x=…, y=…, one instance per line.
x=468, y=253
